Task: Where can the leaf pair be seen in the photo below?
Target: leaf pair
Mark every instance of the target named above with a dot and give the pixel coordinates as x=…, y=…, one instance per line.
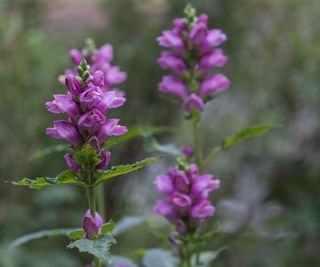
x=69, y=178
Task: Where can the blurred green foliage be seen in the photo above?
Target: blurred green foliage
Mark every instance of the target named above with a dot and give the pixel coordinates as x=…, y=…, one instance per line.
x=268, y=207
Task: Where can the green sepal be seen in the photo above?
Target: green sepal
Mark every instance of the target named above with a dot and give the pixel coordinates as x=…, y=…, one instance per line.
x=66, y=177
x=123, y=169
x=99, y=247
x=87, y=157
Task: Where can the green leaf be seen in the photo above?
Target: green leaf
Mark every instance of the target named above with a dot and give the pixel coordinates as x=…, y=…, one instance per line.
x=139, y=131
x=41, y=234
x=99, y=247
x=159, y=258
x=107, y=227
x=76, y=234
x=206, y=257
x=118, y=260
x=123, y=169
x=66, y=177
x=251, y=131
x=255, y=130
x=152, y=145
x=126, y=223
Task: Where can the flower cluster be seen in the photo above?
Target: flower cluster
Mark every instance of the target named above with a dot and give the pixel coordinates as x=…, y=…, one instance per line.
x=85, y=104
x=186, y=192
x=193, y=56
x=99, y=60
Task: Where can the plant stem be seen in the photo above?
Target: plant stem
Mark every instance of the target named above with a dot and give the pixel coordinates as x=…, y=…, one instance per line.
x=197, y=144
x=92, y=207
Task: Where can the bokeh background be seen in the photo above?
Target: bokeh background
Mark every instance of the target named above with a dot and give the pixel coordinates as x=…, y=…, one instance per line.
x=269, y=204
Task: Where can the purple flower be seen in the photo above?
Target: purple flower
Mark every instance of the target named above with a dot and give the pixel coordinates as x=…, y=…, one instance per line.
x=76, y=56
x=91, y=121
x=192, y=57
x=91, y=97
x=110, y=128
x=105, y=53
x=201, y=210
x=173, y=85
x=98, y=78
x=216, y=83
x=114, y=76
x=180, y=200
x=171, y=39
x=203, y=184
x=73, y=85
x=179, y=180
x=91, y=225
x=198, y=33
x=110, y=100
x=169, y=60
x=216, y=58
x=163, y=184
x=165, y=209
x=193, y=102
x=71, y=163
x=215, y=37
x=105, y=158
x=65, y=130
x=64, y=104
x=179, y=25
x=187, y=151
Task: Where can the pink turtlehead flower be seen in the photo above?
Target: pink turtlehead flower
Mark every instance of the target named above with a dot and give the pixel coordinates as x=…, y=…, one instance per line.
x=212, y=84
x=186, y=193
x=192, y=58
x=92, y=225
x=173, y=85
x=86, y=102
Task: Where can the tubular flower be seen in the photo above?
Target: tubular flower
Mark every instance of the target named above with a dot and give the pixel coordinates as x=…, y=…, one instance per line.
x=186, y=194
x=86, y=103
x=193, y=57
x=104, y=74
x=91, y=225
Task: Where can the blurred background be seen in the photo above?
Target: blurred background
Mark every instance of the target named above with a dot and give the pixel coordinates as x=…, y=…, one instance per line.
x=269, y=204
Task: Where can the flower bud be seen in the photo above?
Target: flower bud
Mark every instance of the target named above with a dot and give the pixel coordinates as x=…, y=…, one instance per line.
x=91, y=225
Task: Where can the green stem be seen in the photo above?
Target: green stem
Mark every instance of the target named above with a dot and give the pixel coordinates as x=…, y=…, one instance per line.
x=92, y=207
x=197, y=144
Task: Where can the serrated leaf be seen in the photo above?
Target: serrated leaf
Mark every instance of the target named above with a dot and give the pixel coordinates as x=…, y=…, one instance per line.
x=133, y=132
x=252, y=131
x=206, y=257
x=126, y=223
x=41, y=234
x=107, y=227
x=65, y=177
x=99, y=247
x=121, y=261
x=160, y=258
x=123, y=169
